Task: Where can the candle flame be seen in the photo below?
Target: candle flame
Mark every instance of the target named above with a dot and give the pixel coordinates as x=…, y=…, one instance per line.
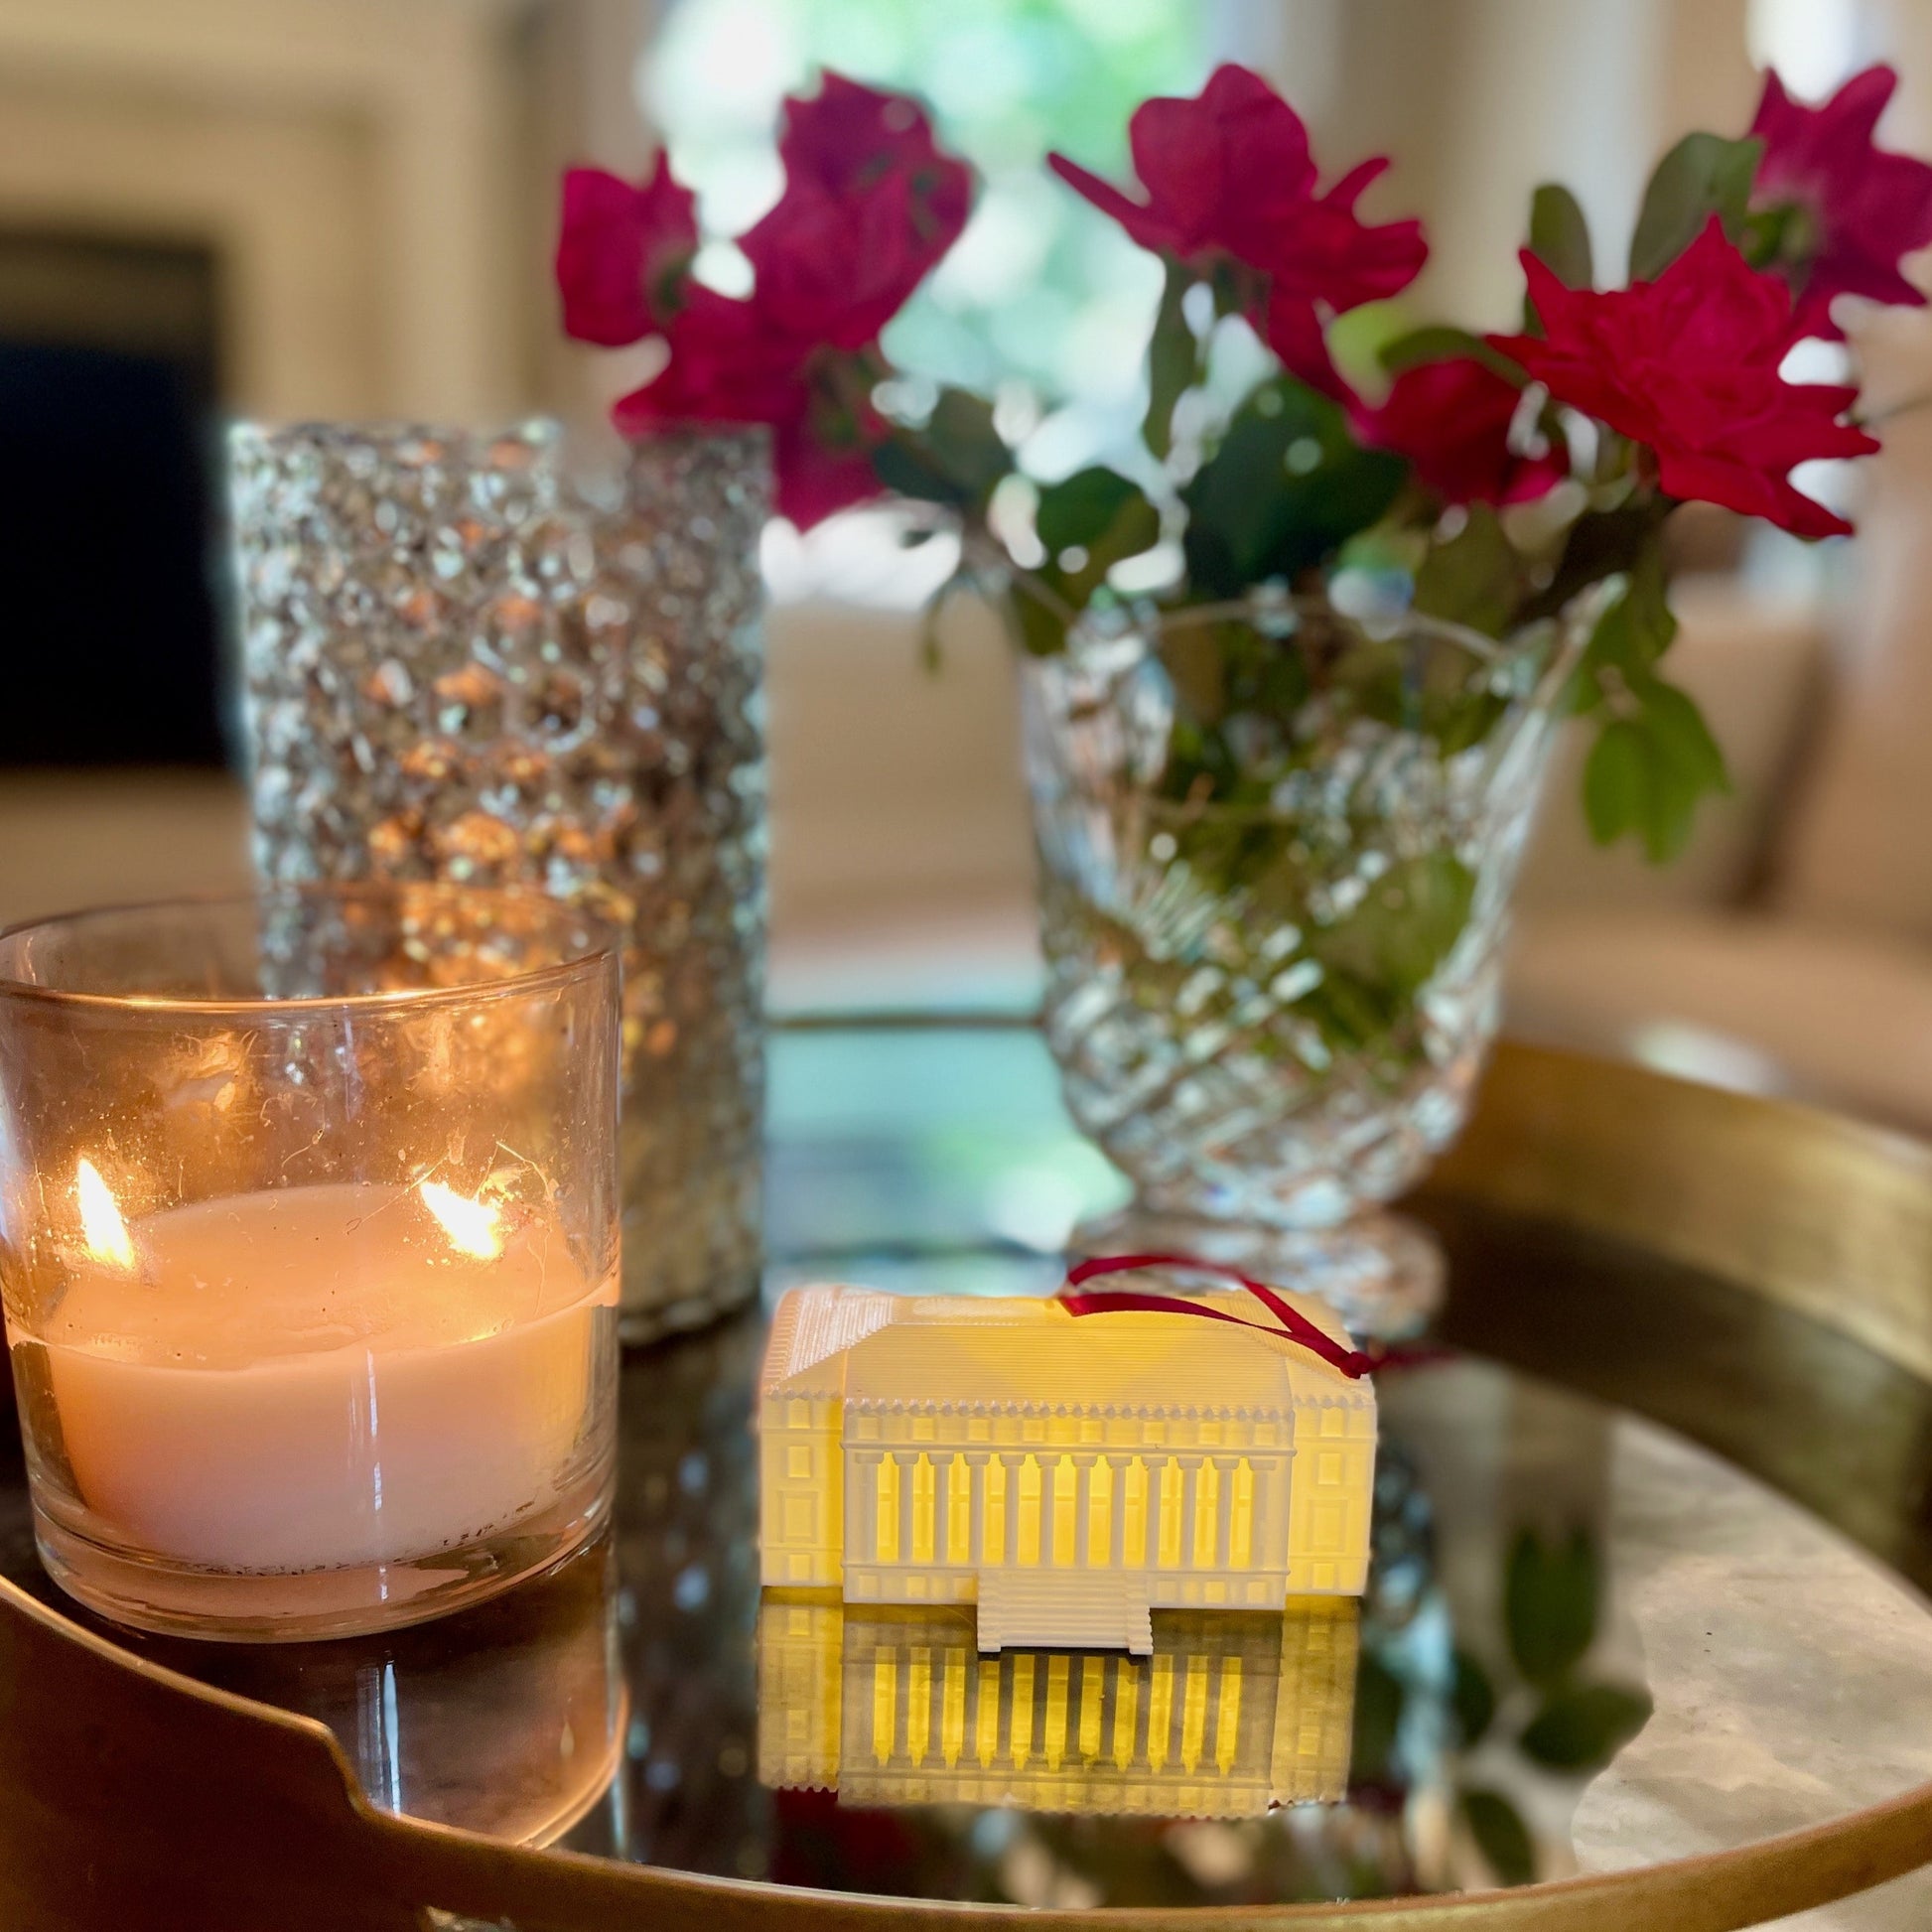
x=101, y=1217
x=474, y=1227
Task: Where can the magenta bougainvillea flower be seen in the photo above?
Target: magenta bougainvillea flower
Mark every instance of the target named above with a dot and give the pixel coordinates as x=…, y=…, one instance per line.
x=1229, y=178
x=1688, y=366
x=1857, y=208
x=869, y=205
x=730, y=363
x=623, y=254
x=1452, y=420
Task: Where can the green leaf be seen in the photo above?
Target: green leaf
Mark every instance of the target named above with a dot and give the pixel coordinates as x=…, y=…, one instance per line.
x=974, y=453
x=1676, y=726
x=1560, y=236
x=1474, y=1700
x=1582, y=1728
x=1087, y=524
x=1654, y=759
x=1702, y=176
x=1080, y=510
x=1550, y=1597
x=1042, y=632
x=956, y=459
x=1635, y=631
x=1403, y=929
x=1601, y=544
x=1285, y=489
x=1099, y=514
x=1682, y=765
x=1439, y=343
x=1136, y=528
x=1616, y=781
x=1785, y=235
x=1649, y=772
x=1174, y=360
x=1475, y=577
x=1501, y=1836
x=907, y=467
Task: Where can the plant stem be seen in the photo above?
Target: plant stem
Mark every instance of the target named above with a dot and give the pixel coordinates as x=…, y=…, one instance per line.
x=1599, y=544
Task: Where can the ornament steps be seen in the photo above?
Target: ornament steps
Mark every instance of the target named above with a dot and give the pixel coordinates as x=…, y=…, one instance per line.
x=1058, y=1610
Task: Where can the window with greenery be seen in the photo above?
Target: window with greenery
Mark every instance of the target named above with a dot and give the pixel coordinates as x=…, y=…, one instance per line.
x=1039, y=295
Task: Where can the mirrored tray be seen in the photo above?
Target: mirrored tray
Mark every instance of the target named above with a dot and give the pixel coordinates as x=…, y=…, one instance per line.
x=1641, y=1605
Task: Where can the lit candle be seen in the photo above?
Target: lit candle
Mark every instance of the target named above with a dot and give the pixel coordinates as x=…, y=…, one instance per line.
x=309, y=1250
x=309, y=1379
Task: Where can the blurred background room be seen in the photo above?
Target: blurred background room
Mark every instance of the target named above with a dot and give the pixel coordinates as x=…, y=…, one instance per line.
x=291, y=209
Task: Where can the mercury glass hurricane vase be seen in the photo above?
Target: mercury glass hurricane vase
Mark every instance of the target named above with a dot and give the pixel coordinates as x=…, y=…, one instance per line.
x=470, y=658
x=1276, y=846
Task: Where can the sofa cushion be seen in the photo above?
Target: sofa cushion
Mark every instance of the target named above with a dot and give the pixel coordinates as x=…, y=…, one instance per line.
x=1770, y=1005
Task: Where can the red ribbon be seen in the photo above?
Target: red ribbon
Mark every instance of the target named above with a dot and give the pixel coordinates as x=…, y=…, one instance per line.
x=1352, y=1362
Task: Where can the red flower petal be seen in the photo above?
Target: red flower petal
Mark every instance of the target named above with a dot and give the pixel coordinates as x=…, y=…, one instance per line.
x=726, y=367
x=1713, y=480
x=1150, y=230
x=1452, y=420
x=1348, y=189
x=620, y=252
x=1294, y=330
x=815, y=481
x=1228, y=177
x=870, y=205
x=1689, y=366
x=1231, y=158
x=1865, y=206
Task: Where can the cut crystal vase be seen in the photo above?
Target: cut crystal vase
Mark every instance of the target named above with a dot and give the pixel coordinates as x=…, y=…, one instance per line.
x=469, y=659
x=1276, y=849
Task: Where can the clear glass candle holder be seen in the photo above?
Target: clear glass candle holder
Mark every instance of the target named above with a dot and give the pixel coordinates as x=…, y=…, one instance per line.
x=309, y=1250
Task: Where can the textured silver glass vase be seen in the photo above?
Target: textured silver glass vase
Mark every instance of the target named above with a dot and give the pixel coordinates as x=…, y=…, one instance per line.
x=466, y=661
x=1275, y=851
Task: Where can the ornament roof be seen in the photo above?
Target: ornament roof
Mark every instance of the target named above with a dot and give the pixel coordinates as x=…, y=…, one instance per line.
x=880, y=1351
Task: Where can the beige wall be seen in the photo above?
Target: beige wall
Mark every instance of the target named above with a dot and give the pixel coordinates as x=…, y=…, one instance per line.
x=288, y=202
x=354, y=160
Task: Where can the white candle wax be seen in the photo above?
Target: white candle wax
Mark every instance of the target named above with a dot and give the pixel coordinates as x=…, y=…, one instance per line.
x=316, y=1377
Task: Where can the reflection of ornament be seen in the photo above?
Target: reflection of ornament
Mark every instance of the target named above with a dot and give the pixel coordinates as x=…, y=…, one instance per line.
x=1066, y=1476
x=1228, y=1717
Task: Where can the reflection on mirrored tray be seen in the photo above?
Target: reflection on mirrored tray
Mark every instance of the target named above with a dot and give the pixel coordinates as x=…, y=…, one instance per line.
x=506, y=1719
x=1332, y=1752
x=1231, y=1715
x=1544, y=1572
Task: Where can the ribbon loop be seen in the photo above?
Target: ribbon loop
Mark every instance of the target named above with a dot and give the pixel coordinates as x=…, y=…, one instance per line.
x=1287, y=1321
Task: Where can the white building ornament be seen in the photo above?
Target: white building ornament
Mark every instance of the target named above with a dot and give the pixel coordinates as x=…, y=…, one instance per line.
x=1066, y=1475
